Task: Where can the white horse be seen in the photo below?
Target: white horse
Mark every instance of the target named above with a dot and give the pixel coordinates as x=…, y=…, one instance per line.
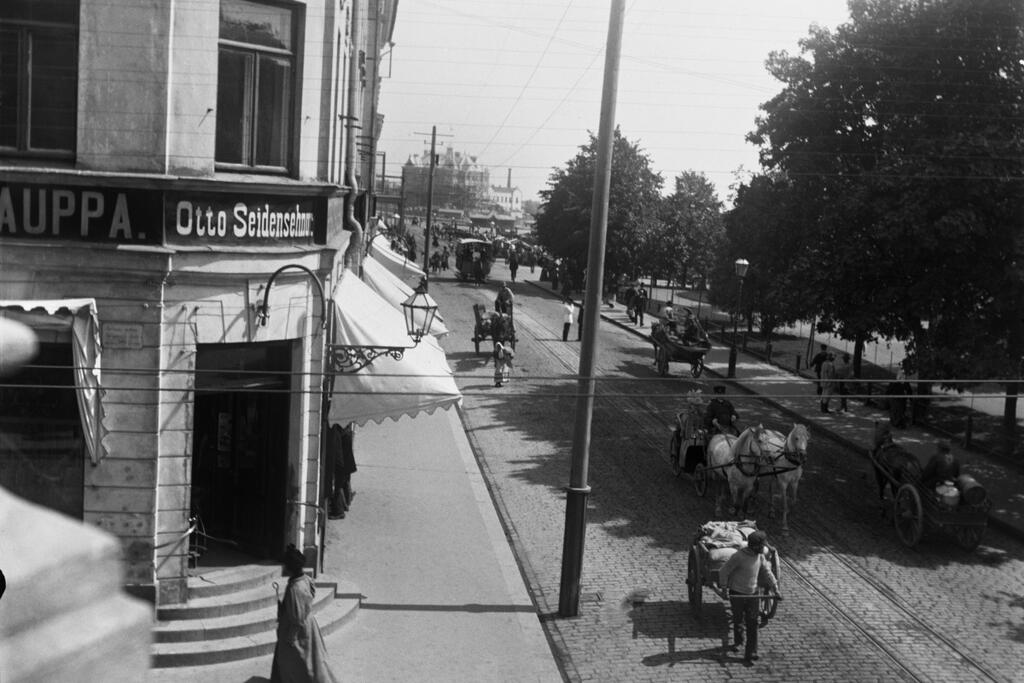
x=786, y=455
x=735, y=461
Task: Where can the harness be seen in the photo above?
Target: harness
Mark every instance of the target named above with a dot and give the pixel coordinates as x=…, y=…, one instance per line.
x=794, y=457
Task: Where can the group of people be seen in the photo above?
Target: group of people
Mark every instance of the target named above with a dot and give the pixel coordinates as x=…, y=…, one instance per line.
x=439, y=260
x=832, y=378
x=636, y=303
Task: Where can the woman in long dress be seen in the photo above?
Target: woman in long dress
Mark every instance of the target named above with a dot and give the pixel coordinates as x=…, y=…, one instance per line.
x=300, y=655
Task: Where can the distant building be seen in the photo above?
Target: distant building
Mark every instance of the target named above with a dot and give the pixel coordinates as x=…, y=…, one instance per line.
x=460, y=182
x=508, y=199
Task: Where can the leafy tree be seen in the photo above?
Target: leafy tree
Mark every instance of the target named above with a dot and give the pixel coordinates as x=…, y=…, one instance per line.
x=691, y=230
x=563, y=220
x=902, y=131
x=767, y=227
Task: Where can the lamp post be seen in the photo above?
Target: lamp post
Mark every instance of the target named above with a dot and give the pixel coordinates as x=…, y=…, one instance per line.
x=741, y=266
x=418, y=311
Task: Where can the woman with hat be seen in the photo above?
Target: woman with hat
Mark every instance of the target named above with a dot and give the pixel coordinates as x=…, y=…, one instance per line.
x=741, y=575
x=300, y=655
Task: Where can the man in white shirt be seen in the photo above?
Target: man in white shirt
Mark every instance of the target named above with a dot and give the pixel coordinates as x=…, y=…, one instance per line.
x=567, y=320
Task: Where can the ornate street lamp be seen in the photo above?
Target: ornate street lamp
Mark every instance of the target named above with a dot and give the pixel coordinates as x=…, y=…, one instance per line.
x=418, y=310
x=741, y=265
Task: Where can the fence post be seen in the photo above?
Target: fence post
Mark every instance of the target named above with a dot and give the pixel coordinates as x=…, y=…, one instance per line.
x=969, y=431
x=798, y=362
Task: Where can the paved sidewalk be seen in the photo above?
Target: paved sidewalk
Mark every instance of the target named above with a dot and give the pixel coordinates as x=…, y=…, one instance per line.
x=796, y=396
x=442, y=596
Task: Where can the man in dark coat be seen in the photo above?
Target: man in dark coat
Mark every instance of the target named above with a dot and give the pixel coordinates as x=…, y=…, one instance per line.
x=340, y=450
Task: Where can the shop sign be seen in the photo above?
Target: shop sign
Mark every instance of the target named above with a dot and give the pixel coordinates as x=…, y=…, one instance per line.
x=91, y=214
x=244, y=220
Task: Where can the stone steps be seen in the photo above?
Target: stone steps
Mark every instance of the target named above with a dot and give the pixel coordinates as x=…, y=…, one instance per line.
x=233, y=615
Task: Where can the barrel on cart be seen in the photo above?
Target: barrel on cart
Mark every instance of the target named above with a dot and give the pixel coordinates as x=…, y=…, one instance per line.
x=958, y=508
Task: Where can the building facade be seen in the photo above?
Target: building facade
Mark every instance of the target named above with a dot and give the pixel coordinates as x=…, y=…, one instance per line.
x=162, y=166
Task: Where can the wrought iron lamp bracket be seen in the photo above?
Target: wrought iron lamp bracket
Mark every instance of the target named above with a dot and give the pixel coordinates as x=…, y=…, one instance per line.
x=346, y=358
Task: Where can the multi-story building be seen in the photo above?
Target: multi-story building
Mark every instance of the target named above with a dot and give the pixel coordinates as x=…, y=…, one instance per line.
x=460, y=182
x=161, y=166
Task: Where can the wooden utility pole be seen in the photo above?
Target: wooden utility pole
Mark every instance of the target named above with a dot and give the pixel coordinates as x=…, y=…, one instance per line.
x=578, y=491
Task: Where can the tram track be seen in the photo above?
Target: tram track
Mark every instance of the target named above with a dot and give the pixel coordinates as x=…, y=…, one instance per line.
x=892, y=626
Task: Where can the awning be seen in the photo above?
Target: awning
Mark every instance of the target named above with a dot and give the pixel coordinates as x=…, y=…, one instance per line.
x=79, y=316
x=394, y=291
x=386, y=388
x=399, y=265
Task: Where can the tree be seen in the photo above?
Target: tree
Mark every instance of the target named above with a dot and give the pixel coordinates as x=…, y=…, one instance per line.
x=691, y=231
x=903, y=130
x=563, y=220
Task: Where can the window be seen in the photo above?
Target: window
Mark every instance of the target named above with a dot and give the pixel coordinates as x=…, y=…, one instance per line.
x=38, y=77
x=255, y=85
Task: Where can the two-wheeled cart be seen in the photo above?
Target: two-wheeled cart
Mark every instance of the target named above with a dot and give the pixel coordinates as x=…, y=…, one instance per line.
x=494, y=326
x=710, y=550
x=917, y=510
x=670, y=347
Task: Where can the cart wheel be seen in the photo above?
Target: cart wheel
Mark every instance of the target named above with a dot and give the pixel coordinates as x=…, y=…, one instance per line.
x=968, y=537
x=767, y=606
x=694, y=589
x=674, y=456
x=662, y=358
x=700, y=479
x=513, y=343
x=697, y=367
x=908, y=515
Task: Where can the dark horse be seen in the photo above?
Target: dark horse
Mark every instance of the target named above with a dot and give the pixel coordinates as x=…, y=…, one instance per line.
x=902, y=466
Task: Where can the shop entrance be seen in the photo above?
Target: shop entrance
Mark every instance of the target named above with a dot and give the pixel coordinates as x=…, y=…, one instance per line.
x=240, y=446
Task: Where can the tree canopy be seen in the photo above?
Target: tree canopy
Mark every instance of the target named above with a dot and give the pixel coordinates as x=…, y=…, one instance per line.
x=563, y=221
x=896, y=146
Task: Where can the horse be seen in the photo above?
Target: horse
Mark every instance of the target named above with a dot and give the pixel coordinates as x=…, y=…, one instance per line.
x=735, y=461
x=786, y=454
x=902, y=465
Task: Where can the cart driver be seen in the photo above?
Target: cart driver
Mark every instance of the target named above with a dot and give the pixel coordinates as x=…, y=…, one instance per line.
x=720, y=417
x=941, y=467
x=503, y=302
x=741, y=575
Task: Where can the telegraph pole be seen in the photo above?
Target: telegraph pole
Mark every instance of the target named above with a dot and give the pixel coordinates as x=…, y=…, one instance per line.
x=578, y=491
x=430, y=199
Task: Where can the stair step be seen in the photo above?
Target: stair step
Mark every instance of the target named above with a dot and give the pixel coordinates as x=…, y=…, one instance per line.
x=232, y=625
x=331, y=616
x=219, y=581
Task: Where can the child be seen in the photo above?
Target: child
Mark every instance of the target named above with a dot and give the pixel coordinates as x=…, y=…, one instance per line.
x=503, y=355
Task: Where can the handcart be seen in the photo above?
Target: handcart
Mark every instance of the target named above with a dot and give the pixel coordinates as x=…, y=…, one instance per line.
x=713, y=544
x=493, y=325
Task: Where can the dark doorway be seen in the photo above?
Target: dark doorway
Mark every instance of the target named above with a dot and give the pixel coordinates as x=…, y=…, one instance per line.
x=240, y=445
x=42, y=448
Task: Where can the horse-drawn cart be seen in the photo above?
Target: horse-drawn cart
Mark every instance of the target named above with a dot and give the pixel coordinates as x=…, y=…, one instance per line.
x=713, y=544
x=916, y=509
x=670, y=347
x=491, y=324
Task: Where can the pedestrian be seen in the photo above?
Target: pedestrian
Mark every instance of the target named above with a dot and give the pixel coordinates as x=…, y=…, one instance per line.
x=503, y=355
x=299, y=655
x=567, y=319
x=898, y=392
x=844, y=373
x=741, y=575
x=640, y=306
x=817, y=362
x=828, y=382
x=341, y=453
x=503, y=302
x=445, y=255
x=555, y=269
x=513, y=264
x=631, y=302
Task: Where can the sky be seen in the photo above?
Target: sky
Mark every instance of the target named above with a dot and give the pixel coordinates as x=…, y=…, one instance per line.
x=517, y=83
